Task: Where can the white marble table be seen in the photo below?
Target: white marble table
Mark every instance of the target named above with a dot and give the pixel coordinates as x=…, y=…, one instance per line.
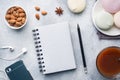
x=23, y=38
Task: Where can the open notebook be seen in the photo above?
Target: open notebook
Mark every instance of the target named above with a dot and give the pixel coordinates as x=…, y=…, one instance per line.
x=54, y=48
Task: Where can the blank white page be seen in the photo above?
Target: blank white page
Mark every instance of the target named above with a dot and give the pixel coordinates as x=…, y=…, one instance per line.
x=57, y=48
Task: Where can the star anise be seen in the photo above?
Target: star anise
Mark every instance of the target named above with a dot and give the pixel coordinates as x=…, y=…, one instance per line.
x=59, y=11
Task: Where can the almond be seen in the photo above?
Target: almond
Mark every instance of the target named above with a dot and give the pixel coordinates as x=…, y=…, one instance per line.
x=12, y=21
x=37, y=8
x=18, y=24
x=13, y=17
x=14, y=8
x=21, y=14
x=19, y=19
x=8, y=12
x=44, y=13
x=15, y=13
x=14, y=25
x=7, y=16
x=23, y=20
x=11, y=9
x=20, y=10
x=11, y=24
x=37, y=16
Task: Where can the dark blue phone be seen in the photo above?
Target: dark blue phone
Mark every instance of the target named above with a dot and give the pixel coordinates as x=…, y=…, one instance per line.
x=18, y=71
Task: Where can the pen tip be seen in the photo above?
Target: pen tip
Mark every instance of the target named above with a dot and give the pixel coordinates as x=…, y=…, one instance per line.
x=85, y=69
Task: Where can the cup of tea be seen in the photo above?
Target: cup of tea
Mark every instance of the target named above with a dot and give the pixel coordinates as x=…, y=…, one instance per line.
x=108, y=62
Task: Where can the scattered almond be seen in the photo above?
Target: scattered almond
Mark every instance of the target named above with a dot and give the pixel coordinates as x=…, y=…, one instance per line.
x=44, y=13
x=37, y=8
x=37, y=16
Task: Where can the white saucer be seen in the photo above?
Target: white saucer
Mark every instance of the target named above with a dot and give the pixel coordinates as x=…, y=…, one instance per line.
x=114, y=31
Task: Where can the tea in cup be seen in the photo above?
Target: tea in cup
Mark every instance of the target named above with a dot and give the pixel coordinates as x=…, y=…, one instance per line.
x=108, y=62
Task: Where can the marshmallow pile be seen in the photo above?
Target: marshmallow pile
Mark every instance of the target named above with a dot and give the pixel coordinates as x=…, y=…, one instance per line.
x=110, y=16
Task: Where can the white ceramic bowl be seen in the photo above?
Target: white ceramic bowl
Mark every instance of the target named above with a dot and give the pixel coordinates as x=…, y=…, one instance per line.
x=114, y=31
x=13, y=27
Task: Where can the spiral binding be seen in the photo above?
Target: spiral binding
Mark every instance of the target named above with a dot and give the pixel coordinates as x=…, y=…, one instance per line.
x=38, y=47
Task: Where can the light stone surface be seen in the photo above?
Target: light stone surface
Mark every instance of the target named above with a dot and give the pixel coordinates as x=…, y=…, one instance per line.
x=23, y=38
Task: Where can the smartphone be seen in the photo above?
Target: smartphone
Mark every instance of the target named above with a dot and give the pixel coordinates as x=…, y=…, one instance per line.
x=18, y=71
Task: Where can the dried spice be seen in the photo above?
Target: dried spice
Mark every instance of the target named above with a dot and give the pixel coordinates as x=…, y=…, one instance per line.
x=59, y=11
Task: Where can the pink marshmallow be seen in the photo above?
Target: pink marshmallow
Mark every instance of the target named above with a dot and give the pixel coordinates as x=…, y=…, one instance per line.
x=112, y=6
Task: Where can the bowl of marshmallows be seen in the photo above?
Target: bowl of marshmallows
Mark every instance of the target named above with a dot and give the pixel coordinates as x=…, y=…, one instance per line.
x=15, y=17
x=106, y=16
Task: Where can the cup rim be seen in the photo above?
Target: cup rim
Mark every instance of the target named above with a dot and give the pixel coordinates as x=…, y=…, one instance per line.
x=97, y=60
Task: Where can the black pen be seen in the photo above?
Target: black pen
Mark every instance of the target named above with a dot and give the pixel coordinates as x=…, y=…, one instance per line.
x=82, y=49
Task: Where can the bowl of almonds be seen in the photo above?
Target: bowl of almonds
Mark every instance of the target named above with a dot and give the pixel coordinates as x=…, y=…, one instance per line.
x=15, y=17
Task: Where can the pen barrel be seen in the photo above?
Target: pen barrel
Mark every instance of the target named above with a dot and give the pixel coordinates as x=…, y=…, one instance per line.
x=82, y=49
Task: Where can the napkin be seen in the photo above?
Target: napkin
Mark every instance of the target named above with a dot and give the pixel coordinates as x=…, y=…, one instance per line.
x=107, y=37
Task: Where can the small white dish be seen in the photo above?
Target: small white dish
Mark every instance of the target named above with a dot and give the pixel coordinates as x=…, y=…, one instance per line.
x=13, y=27
x=114, y=31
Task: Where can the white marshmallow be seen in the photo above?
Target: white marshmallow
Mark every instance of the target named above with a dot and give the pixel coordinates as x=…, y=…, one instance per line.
x=117, y=19
x=104, y=20
x=76, y=6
